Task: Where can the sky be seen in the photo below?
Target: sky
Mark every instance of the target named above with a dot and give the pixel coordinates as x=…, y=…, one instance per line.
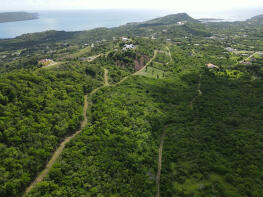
x=172, y=5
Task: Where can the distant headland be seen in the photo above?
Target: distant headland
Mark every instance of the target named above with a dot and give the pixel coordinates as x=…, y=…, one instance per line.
x=17, y=16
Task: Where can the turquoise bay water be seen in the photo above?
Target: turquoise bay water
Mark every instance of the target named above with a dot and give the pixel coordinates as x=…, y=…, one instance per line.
x=76, y=21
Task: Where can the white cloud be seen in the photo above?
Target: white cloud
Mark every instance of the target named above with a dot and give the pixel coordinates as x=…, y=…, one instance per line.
x=178, y=5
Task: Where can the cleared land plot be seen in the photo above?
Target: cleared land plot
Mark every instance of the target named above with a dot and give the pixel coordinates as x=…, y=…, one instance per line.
x=162, y=57
x=79, y=53
x=151, y=72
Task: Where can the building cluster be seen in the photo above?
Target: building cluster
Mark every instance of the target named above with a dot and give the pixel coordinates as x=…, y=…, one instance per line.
x=128, y=47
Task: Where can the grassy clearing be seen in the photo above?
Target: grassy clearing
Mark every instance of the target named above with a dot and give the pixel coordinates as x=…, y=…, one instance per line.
x=83, y=52
x=151, y=72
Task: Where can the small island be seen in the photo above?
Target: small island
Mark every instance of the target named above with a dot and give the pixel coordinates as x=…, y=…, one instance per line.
x=17, y=16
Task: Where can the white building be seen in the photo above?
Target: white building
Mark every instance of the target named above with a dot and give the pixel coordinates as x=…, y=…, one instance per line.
x=181, y=22
x=129, y=46
x=125, y=39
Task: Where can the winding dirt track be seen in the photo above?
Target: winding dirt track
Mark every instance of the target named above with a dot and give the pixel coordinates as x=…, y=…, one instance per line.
x=169, y=53
x=158, y=176
x=248, y=58
x=106, y=77
x=60, y=148
x=199, y=93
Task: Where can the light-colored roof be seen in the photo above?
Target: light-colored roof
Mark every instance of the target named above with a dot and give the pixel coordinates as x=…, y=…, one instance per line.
x=211, y=65
x=128, y=46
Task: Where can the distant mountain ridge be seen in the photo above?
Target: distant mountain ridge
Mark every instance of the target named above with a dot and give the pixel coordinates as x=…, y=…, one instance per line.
x=17, y=16
x=256, y=20
x=169, y=20
x=257, y=17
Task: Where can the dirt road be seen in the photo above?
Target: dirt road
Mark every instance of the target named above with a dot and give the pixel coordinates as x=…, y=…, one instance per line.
x=60, y=148
x=158, y=176
x=106, y=77
x=199, y=93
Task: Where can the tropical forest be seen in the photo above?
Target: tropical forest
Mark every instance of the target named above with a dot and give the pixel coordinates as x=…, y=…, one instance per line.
x=167, y=107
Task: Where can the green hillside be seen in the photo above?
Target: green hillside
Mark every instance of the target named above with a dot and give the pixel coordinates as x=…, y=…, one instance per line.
x=158, y=108
x=169, y=20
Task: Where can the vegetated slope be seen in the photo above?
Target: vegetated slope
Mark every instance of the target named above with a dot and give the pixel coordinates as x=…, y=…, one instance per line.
x=168, y=20
x=256, y=20
x=38, y=109
x=62, y=145
x=41, y=106
x=17, y=16
x=118, y=153
x=213, y=144
x=31, y=39
x=259, y=17
x=214, y=148
x=218, y=148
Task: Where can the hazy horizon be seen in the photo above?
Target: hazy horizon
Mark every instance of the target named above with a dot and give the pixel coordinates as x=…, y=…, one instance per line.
x=234, y=14
x=169, y=5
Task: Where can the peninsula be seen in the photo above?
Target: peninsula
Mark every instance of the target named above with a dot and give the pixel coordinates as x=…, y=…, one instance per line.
x=17, y=16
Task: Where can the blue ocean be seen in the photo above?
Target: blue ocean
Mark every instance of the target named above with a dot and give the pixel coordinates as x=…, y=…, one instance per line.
x=79, y=20
x=76, y=20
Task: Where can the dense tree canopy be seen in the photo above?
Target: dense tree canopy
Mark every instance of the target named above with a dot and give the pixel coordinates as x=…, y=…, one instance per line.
x=211, y=116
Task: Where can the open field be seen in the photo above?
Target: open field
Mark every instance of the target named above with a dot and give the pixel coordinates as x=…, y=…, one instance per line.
x=151, y=72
